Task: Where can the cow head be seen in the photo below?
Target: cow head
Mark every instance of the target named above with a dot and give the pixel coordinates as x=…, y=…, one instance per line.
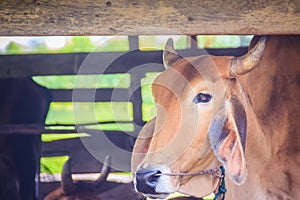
x=81, y=190
x=201, y=124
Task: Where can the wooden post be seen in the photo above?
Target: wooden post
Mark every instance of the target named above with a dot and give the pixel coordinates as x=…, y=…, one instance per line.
x=110, y=17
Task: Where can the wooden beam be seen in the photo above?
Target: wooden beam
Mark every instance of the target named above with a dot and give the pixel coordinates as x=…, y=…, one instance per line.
x=20, y=66
x=110, y=17
x=83, y=95
x=37, y=129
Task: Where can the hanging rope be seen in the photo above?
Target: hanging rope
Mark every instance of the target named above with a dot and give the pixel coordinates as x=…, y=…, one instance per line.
x=215, y=172
x=222, y=188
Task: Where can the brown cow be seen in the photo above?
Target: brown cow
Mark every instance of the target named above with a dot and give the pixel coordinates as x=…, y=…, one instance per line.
x=81, y=190
x=208, y=107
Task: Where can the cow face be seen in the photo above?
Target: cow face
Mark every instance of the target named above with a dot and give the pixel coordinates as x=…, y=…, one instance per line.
x=200, y=124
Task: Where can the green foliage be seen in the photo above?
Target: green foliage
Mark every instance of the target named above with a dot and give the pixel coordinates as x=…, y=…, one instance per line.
x=112, y=43
x=115, y=43
x=14, y=48
x=78, y=44
x=155, y=42
x=222, y=41
x=52, y=165
x=38, y=45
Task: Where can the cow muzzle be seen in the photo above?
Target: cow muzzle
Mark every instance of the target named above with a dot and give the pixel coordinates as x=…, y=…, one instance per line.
x=146, y=181
x=150, y=182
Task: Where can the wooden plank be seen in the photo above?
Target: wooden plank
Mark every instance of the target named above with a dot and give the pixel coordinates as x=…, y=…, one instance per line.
x=27, y=129
x=84, y=95
x=20, y=66
x=136, y=98
x=83, y=63
x=38, y=129
x=109, y=17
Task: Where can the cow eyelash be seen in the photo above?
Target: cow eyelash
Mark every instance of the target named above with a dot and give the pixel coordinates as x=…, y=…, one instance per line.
x=202, y=98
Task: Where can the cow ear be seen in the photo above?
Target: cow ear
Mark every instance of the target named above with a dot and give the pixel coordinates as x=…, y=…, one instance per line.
x=170, y=56
x=227, y=136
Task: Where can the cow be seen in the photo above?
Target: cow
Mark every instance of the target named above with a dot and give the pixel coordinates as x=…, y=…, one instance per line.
x=81, y=190
x=224, y=116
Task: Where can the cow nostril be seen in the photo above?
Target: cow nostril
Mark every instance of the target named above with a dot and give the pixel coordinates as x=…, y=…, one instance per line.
x=154, y=178
x=146, y=181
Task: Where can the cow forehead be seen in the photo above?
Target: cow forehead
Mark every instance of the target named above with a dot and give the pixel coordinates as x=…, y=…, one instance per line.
x=198, y=72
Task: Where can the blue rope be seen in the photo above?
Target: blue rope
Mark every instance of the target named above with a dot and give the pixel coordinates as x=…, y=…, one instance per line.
x=222, y=188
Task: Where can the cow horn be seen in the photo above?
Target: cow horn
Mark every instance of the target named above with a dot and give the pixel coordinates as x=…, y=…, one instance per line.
x=243, y=64
x=169, y=55
x=104, y=172
x=67, y=183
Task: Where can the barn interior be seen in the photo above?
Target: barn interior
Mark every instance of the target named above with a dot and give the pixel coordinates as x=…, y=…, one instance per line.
x=75, y=81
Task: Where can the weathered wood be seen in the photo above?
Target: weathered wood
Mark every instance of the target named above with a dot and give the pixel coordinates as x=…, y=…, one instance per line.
x=37, y=129
x=114, y=95
x=19, y=66
x=109, y=17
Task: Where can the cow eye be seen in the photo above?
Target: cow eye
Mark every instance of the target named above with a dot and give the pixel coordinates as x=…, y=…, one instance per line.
x=202, y=98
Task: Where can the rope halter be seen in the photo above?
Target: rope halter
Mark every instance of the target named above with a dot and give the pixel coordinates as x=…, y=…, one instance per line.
x=216, y=172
